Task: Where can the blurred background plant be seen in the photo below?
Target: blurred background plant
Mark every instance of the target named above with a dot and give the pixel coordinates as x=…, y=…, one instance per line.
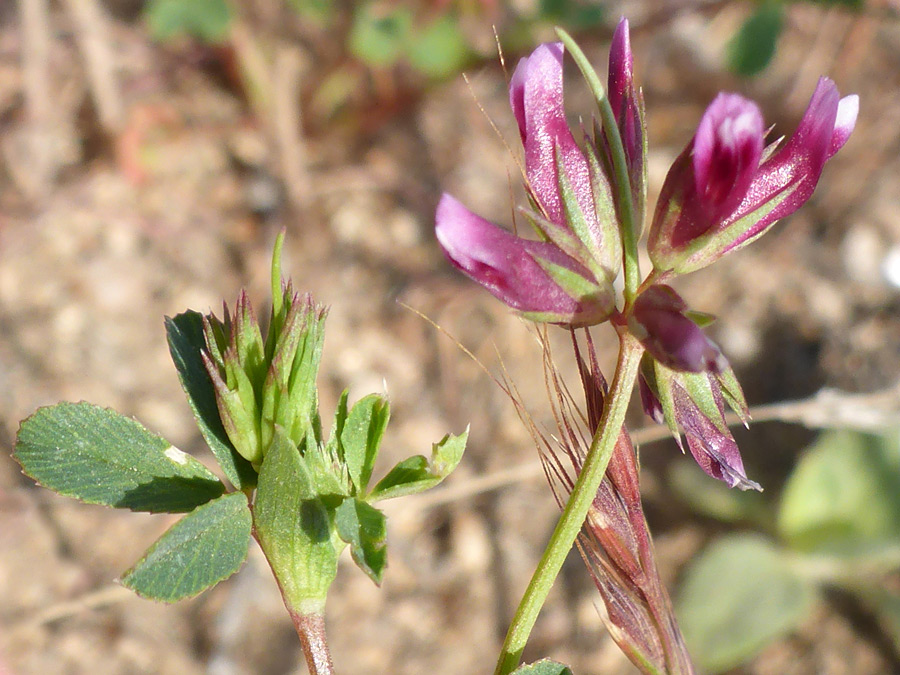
x=833, y=535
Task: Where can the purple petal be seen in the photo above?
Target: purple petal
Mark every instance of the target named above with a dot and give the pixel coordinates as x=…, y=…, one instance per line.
x=715, y=450
x=536, y=98
x=502, y=262
x=727, y=148
x=659, y=322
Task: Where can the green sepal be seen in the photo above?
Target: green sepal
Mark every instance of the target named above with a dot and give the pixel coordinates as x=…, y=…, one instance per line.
x=707, y=248
x=361, y=437
x=96, y=455
x=417, y=474
x=664, y=379
x=185, y=335
x=699, y=389
x=247, y=342
x=640, y=195
x=328, y=475
x=733, y=393
x=702, y=319
x=305, y=370
x=610, y=253
x=242, y=406
x=577, y=222
x=214, y=334
x=561, y=236
x=294, y=528
x=599, y=293
x=200, y=550
x=238, y=423
x=333, y=447
x=365, y=528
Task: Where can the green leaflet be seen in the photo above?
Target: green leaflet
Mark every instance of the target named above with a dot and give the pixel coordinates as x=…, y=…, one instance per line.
x=365, y=528
x=417, y=474
x=200, y=550
x=101, y=457
x=361, y=436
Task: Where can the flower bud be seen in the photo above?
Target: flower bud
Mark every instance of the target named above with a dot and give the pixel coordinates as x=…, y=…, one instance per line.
x=718, y=197
x=659, y=320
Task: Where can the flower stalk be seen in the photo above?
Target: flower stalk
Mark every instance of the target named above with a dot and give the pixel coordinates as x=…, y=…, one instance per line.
x=570, y=522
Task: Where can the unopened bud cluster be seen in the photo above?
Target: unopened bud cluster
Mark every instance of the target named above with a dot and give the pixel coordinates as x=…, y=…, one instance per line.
x=261, y=384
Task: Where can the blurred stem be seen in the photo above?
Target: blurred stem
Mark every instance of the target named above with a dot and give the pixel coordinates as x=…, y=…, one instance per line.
x=576, y=509
x=622, y=179
x=311, y=629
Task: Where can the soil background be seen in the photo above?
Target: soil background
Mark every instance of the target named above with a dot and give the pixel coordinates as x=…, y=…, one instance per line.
x=121, y=208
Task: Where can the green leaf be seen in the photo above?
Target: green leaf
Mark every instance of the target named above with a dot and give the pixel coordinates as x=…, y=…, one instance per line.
x=186, y=342
x=378, y=37
x=737, y=597
x=101, y=457
x=361, y=436
x=417, y=474
x=365, y=528
x=200, y=550
x=208, y=20
x=294, y=528
x=439, y=49
x=753, y=47
x=543, y=667
x=844, y=495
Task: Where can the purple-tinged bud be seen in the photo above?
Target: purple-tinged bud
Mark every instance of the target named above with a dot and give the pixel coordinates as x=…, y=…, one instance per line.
x=718, y=198
x=659, y=320
x=627, y=104
x=695, y=403
x=710, y=441
x=535, y=278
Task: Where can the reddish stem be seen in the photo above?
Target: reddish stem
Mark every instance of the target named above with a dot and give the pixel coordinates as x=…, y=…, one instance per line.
x=311, y=629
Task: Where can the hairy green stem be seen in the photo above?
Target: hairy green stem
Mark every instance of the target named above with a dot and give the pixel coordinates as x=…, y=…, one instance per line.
x=576, y=509
x=622, y=179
